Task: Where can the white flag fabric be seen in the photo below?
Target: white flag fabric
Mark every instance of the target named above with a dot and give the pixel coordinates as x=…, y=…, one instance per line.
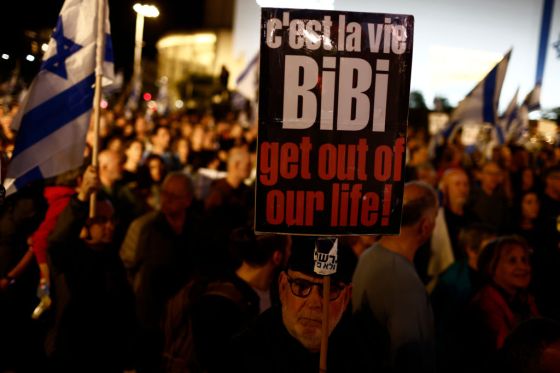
x=520, y=124
x=509, y=118
x=54, y=118
x=533, y=99
x=481, y=104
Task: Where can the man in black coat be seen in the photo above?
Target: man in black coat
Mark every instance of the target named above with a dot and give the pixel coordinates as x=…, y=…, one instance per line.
x=94, y=315
x=288, y=338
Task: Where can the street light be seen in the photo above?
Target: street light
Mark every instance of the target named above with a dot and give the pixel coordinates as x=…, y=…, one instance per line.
x=142, y=10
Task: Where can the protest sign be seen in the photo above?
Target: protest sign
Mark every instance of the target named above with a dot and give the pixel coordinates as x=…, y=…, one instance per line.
x=333, y=108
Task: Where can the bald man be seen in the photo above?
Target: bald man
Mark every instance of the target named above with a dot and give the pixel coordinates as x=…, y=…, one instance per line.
x=160, y=252
x=110, y=169
x=229, y=205
x=125, y=201
x=389, y=300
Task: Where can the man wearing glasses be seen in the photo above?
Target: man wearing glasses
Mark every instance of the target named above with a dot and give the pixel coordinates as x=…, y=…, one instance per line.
x=287, y=338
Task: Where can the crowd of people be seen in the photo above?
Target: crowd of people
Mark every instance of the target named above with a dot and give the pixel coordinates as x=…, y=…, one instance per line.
x=169, y=276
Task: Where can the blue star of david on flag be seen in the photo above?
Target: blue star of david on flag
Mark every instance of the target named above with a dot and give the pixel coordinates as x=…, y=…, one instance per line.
x=64, y=48
x=54, y=117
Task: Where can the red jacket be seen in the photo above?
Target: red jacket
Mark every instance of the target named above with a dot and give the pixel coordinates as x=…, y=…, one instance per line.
x=57, y=198
x=497, y=314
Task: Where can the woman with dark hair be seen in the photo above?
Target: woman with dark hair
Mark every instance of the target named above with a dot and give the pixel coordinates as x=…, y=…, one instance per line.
x=504, y=302
x=151, y=176
x=133, y=151
x=526, y=214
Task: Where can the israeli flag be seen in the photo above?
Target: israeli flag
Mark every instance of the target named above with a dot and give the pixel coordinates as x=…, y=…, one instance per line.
x=533, y=99
x=531, y=103
x=510, y=117
x=54, y=118
x=481, y=104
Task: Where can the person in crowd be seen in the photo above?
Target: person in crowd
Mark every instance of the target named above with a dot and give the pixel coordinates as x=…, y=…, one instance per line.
x=500, y=305
x=358, y=244
x=141, y=128
x=488, y=202
x=20, y=215
x=197, y=146
x=133, y=151
x=151, y=176
x=220, y=308
x=287, y=337
x=547, y=275
x=123, y=197
x=501, y=154
x=523, y=181
x=160, y=144
x=207, y=173
x=452, y=217
x=229, y=204
x=115, y=143
x=58, y=196
x=427, y=173
x=453, y=292
x=230, y=193
x=161, y=259
x=93, y=327
x=451, y=157
x=110, y=172
x=181, y=150
x=389, y=300
x=526, y=220
x=533, y=346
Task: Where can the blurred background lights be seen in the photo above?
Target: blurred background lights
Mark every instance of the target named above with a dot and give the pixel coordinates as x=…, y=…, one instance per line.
x=30, y=58
x=310, y=4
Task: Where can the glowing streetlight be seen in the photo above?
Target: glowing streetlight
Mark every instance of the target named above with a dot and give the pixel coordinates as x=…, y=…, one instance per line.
x=142, y=10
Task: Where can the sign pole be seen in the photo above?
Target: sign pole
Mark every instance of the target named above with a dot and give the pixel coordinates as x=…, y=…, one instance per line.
x=99, y=58
x=325, y=325
x=326, y=262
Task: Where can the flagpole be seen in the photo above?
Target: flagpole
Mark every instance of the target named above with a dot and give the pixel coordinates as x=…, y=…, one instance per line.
x=99, y=58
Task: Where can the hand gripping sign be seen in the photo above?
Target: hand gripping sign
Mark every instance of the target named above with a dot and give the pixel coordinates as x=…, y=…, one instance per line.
x=333, y=111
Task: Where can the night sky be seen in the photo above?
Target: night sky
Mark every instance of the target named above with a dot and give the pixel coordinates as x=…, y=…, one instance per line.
x=175, y=15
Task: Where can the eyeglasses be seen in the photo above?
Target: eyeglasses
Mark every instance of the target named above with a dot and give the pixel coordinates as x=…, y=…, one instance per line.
x=302, y=288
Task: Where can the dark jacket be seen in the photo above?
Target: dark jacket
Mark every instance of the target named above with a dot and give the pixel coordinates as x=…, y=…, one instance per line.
x=201, y=320
x=268, y=347
x=94, y=315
